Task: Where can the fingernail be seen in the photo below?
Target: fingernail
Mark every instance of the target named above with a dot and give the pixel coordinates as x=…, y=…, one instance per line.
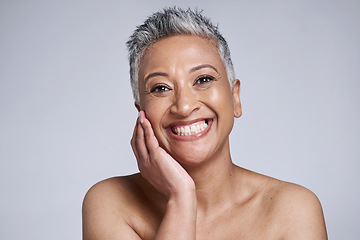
x=140, y=118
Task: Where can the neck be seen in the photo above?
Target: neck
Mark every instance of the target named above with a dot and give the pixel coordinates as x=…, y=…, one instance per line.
x=215, y=181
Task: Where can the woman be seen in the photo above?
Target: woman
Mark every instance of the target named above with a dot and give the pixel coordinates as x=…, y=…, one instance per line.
x=188, y=187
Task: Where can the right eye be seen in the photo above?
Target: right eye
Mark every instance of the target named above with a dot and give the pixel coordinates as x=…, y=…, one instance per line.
x=159, y=88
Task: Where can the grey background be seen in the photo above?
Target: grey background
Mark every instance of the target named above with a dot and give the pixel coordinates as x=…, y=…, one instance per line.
x=66, y=110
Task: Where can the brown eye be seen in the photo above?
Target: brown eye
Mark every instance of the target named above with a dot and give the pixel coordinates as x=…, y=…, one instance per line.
x=204, y=79
x=159, y=88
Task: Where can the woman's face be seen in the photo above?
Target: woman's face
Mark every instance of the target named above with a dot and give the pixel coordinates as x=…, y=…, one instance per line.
x=186, y=95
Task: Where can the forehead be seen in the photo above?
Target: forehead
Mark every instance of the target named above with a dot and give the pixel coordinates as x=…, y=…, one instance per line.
x=180, y=52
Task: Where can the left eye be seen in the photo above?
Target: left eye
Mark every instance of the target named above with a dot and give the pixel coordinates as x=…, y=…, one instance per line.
x=204, y=79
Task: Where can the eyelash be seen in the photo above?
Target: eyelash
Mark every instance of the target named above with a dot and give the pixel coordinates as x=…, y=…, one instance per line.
x=204, y=79
x=159, y=88
x=200, y=80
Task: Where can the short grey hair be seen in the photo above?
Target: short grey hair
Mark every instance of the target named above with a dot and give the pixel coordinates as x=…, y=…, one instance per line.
x=171, y=22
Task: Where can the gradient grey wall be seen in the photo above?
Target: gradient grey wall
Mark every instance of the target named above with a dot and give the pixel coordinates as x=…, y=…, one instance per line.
x=66, y=110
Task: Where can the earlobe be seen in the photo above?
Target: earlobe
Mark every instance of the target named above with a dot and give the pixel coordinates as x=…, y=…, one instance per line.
x=137, y=106
x=236, y=98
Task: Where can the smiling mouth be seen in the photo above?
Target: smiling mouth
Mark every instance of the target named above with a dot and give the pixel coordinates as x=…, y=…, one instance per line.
x=191, y=129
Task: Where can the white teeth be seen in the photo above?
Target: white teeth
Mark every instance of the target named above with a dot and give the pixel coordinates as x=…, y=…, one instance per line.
x=190, y=130
x=187, y=130
x=193, y=129
x=197, y=128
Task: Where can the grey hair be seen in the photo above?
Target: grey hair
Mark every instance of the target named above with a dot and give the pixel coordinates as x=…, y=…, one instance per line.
x=171, y=22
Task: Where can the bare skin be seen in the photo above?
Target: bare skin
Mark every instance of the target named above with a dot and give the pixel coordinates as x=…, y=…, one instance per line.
x=188, y=187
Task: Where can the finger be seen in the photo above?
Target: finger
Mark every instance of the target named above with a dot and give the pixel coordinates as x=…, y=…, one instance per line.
x=133, y=139
x=140, y=144
x=150, y=139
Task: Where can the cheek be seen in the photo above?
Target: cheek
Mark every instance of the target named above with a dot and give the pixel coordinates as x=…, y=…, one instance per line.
x=221, y=99
x=154, y=111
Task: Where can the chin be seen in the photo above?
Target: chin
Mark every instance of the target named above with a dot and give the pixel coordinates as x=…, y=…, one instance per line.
x=191, y=157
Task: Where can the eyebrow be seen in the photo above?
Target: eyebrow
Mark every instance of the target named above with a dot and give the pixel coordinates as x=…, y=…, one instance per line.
x=194, y=69
x=155, y=74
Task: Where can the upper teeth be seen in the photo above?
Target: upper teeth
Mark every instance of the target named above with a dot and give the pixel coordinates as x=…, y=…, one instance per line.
x=189, y=130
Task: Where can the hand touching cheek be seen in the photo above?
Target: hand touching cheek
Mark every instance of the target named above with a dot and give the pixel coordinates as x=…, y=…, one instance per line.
x=155, y=164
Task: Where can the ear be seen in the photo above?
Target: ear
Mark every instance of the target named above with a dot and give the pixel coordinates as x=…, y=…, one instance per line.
x=236, y=98
x=137, y=106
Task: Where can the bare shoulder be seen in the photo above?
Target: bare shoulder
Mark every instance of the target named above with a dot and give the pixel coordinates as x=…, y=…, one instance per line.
x=107, y=209
x=297, y=210
x=113, y=191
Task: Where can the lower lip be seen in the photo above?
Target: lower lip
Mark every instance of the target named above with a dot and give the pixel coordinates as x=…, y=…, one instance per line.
x=193, y=136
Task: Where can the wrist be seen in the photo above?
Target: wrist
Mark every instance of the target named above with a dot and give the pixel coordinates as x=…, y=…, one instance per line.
x=185, y=190
x=184, y=198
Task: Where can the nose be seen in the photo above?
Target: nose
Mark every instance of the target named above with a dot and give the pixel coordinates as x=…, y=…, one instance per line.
x=185, y=102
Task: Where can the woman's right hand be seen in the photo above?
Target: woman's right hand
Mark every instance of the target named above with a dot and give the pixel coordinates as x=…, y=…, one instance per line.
x=169, y=178
x=155, y=164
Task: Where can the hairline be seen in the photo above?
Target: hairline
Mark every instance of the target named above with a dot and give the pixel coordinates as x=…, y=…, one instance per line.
x=182, y=22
